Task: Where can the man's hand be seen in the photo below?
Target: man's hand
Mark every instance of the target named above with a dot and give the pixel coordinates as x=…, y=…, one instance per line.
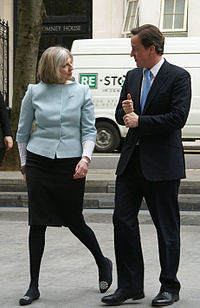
x=127, y=105
x=8, y=142
x=131, y=120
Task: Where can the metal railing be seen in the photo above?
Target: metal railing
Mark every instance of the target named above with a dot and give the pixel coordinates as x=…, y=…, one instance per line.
x=4, y=60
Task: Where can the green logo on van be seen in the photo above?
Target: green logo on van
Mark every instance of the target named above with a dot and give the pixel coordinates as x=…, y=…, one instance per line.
x=89, y=79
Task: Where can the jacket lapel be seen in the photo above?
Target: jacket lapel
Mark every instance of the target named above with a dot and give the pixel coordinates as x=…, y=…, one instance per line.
x=136, y=91
x=158, y=82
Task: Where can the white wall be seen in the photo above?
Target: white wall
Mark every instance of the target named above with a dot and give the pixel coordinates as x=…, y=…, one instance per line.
x=149, y=12
x=193, y=18
x=107, y=18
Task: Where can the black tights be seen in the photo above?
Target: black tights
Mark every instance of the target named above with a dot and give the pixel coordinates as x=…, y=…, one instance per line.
x=37, y=243
x=36, y=249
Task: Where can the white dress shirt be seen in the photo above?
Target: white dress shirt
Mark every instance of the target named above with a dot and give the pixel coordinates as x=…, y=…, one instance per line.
x=154, y=71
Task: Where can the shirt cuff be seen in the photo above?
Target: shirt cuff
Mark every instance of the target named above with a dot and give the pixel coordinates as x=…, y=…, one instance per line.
x=22, y=152
x=88, y=148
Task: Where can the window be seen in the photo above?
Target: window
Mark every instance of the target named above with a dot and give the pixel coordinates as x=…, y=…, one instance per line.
x=131, y=16
x=174, y=15
x=65, y=7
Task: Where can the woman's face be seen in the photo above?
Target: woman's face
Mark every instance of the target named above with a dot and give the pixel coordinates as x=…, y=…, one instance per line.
x=66, y=70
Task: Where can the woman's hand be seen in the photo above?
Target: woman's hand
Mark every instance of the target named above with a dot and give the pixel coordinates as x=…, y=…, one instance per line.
x=23, y=171
x=81, y=169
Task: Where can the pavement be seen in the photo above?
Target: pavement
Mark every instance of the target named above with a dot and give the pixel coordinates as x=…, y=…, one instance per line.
x=69, y=277
x=68, y=273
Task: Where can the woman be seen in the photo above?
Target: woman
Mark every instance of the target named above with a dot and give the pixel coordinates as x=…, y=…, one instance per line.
x=54, y=157
x=6, y=141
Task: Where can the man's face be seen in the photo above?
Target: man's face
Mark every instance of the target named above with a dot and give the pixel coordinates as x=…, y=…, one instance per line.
x=140, y=54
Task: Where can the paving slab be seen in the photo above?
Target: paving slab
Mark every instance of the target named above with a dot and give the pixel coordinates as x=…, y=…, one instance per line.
x=69, y=274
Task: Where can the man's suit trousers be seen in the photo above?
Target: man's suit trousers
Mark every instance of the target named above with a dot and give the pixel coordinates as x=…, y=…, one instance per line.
x=161, y=198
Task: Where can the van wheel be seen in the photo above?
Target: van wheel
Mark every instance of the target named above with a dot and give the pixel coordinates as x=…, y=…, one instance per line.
x=108, y=138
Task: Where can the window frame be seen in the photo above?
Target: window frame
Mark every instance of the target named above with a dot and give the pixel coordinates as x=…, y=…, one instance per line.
x=135, y=18
x=185, y=16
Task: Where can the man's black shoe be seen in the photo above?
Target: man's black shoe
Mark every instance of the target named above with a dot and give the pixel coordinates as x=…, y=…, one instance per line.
x=120, y=296
x=164, y=299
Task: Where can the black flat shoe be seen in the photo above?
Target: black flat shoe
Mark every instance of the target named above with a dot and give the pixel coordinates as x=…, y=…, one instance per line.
x=164, y=299
x=105, y=277
x=29, y=297
x=120, y=296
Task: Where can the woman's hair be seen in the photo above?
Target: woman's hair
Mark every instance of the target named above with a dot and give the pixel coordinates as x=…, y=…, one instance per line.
x=150, y=35
x=50, y=62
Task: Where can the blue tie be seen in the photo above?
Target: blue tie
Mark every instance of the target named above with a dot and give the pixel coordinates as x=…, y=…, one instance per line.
x=146, y=87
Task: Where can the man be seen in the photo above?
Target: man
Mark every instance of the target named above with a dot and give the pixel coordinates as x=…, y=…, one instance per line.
x=154, y=105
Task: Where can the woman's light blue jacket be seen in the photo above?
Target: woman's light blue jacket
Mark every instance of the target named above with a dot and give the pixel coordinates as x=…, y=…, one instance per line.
x=63, y=116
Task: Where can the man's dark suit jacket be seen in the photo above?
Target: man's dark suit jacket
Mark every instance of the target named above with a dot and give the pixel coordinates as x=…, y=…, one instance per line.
x=4, y=123
x=159, y=132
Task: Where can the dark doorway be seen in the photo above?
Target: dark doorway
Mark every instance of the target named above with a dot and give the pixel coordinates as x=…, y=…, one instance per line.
x=67, y=20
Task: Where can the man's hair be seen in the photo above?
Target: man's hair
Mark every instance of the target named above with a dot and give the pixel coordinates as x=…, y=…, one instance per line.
x=50, y=63
x=150, y=35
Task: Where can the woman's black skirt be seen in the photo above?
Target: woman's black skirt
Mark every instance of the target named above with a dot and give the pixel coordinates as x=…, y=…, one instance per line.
x=54, y=197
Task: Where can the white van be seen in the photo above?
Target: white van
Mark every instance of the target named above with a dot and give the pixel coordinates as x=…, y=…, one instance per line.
x=103, y=63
